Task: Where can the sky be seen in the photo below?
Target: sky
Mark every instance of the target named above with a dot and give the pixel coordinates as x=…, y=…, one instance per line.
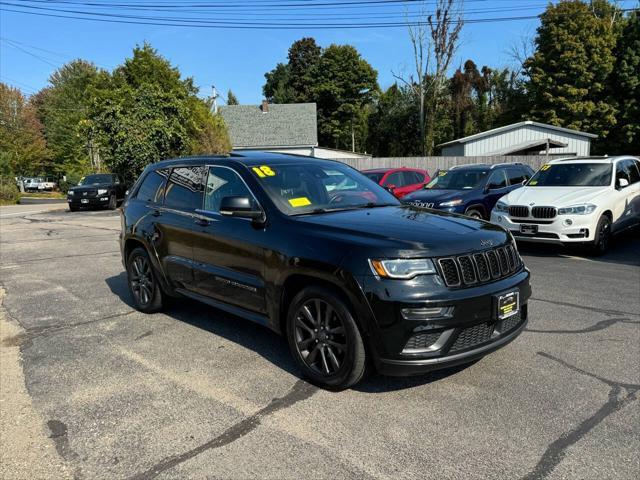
x=33, y=46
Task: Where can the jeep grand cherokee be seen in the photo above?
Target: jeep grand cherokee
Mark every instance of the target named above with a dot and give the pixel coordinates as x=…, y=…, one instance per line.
x=347, y=273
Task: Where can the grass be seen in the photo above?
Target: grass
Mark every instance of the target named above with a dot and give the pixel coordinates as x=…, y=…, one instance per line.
x=43, y=195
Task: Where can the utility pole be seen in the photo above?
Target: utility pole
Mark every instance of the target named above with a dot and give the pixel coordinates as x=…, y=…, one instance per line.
x=214, y=96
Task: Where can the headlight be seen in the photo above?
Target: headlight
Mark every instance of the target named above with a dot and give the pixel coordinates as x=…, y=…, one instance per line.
x=401, y=268
x=501, y=207
x=451, y=203
x=71, y=192
x=582, y=209
x=102, y=191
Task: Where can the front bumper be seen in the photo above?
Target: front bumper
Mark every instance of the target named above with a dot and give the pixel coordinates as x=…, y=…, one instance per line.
x=88, y=201
x=581, y=229
x=469, y=329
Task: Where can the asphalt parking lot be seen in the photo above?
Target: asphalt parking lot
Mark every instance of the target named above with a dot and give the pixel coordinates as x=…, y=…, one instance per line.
x=195, y=393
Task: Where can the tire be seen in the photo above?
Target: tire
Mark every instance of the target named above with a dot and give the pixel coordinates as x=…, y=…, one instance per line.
x=143, y=284
x=474, y=213
x=113, y=202
x=73, y=208
x=600, y=243
x=332, y=339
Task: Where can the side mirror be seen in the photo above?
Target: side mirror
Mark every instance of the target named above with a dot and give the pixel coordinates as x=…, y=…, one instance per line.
x=242, y=207
x=623, y=182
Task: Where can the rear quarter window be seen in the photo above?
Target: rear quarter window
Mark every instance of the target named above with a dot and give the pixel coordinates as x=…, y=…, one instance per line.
x=152, y=187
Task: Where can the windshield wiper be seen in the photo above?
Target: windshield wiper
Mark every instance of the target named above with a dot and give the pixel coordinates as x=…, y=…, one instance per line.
x=374, y=205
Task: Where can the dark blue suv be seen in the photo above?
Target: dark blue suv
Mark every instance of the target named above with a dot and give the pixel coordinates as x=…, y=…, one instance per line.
x=472, y=190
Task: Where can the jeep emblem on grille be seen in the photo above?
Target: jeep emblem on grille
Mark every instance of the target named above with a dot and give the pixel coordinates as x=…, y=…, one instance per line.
x=486, y=243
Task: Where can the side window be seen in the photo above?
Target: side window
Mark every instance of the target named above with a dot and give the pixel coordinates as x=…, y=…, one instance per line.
x=516, y=176
x=184, y=189
x=152, y=187
x=412, y=177
x=634, y=174
x=223, y=182
x=622, y=171
x=395, y=179
x=498, y=179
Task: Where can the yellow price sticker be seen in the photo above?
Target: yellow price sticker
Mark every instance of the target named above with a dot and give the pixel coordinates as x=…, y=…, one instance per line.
x=535, y=182
x=545, y=167
x=299, y=202
x=264, y=171
x=442, y=174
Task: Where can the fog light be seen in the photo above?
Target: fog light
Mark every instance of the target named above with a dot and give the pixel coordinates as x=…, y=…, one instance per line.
x=104, y=199
x=568, y=222
x=426, y=313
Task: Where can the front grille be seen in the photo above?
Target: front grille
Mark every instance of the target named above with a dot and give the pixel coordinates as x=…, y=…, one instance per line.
x=472, y=336
x=449, y=271
x=544, y=212
x=519, y=211
x=510, y=323
x=468, y=272
x=481, y=267
x=422, y=341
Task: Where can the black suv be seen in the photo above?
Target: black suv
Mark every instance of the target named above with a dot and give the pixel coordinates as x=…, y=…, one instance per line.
x=318, y=252
x=472, y=190
x=104, y=190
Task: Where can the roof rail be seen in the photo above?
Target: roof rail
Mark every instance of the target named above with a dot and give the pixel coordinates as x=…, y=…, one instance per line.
x=594, y=157
x=470, y=165
x=502, y=164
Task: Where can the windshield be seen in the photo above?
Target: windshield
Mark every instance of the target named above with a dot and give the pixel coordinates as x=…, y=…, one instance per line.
x=375, y=176
x=458, y=180
x=96, y=179
x=304, y=188
x=572, y=175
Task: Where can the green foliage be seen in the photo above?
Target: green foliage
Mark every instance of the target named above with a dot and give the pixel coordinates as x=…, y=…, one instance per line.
x=63, y=110
x=569, y=72
x=145, y=112
x=278, y=87
x=22, y=145
x=232, y=99
x=626, y=87
x=9, y=193
x=304, y=56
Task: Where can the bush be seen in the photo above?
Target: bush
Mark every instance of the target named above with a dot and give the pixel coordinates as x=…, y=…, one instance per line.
x=9, y=193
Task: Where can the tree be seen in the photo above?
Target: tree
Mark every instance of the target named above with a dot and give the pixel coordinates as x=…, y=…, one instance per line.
x=570, y=69
x=626, y=86
x=63, y=108
x=277, y=88
x=344, y=85
x=145, y=112
x=434, y=40
x=393, y=123
x=232, y=99
x=22, y=145
x=304, y=56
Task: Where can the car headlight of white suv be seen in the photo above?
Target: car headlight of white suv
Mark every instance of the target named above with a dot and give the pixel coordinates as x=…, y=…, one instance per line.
x=501, y=207
x=102, y=191
x=582, y=209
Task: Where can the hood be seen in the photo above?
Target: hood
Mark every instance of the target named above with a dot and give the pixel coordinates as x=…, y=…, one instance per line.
x=554, y=196
x=91, y=187
x=436, y=195
x=406, y=231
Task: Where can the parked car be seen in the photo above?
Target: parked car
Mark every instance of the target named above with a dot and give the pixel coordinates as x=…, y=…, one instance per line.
x=575, y=201
x=104, y=190
x=399, y=181
x=350, y=276
x=472, y=190
x=47, y=184
x=31, y=184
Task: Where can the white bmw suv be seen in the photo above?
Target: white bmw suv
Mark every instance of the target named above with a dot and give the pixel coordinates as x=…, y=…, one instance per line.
x=574, y=200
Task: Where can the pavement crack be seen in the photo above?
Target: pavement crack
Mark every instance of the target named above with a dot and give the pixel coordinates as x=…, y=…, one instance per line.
x=583, y=307
x=601, y=325
x=301, y=390
x=620, y=394
x=33, y=260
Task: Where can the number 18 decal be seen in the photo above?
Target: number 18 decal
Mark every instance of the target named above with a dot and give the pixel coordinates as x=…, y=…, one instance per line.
x=264, y=171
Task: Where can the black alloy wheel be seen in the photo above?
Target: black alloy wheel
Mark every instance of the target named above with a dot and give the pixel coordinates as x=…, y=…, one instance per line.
x=473, y=213
x=320, y=337
x=325, y=340
x=603, y=236
x=144, y=288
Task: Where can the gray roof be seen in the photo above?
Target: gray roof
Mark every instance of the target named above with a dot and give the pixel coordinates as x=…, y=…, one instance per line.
x=514, y=126
x=284, y=125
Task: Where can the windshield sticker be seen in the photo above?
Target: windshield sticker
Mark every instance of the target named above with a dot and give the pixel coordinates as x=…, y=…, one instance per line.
x=535, y=182
x=545, y=167
x=264, y=171
x=442, y=174
x=299, y=202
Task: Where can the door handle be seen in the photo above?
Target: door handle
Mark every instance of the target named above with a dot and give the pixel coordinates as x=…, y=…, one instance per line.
x=156, y=213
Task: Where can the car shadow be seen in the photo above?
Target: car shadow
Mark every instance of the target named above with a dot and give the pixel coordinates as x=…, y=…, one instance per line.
x=624, y=249
x=263, y=341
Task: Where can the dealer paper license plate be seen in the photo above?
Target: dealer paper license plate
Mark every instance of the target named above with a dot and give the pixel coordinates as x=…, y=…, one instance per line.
x=508, y=305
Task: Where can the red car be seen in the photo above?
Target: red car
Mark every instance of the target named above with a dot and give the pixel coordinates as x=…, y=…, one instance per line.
x=400, y=181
